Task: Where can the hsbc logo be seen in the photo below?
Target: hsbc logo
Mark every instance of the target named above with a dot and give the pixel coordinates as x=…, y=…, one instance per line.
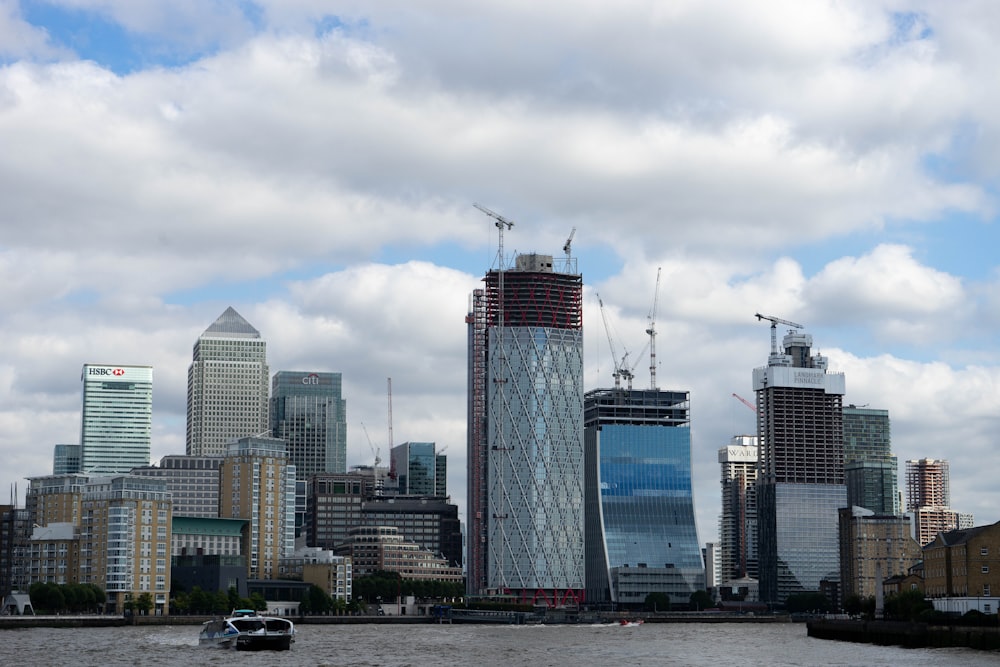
x=117, y=372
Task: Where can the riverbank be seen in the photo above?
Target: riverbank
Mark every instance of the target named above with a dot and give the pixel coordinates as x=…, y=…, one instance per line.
x=908, y=635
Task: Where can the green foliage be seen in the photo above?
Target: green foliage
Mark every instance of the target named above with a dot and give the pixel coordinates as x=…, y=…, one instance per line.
x=907, y=605
x=657, y=602
x=144, y=603
x=813, y=602
x=702, y=600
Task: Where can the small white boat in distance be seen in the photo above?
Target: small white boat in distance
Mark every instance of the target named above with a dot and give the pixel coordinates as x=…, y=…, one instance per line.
x=246, y=630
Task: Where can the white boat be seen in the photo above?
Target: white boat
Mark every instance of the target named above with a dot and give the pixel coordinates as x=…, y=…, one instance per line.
x=246, y=630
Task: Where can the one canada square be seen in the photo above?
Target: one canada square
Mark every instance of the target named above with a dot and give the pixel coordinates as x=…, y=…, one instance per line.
x=525, y=447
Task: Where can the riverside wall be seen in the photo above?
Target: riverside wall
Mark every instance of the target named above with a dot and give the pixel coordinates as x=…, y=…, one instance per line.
x=909, y=635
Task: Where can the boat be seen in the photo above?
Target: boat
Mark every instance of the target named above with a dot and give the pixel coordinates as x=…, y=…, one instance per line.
x=246, y=630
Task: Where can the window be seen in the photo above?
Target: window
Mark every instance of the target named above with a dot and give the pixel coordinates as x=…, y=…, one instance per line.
x=986, y=569
x=984, y=551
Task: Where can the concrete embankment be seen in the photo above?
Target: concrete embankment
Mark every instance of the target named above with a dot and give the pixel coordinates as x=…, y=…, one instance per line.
x=909, y=635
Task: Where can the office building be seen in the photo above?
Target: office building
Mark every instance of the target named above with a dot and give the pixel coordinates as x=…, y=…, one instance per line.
x=873, y=548
x=738, y=519
x=257, y=483
x=415, y=466
x=801, y=478
x=870, y=469
x=429, y=521
x=310, y=415
x=65, y=459
x=641, y=536
x=117, y=424
x=525, y=435
x=207, y=536
x=227, y=386
x=381, y=548
x=193, y=483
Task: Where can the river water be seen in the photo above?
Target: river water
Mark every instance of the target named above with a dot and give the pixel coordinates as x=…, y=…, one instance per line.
x=372, y=645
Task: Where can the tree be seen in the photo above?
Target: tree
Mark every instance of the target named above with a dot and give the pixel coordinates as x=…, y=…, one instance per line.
x=702, y=600
x=906, y=605
x=813, y=602
x=144, y=603
x=657, y=602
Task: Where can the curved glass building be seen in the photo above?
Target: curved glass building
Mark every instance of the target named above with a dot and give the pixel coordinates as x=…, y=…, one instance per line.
x=641, y=536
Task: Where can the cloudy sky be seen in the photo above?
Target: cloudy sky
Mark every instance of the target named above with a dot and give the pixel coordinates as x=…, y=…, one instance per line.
x=314, y=164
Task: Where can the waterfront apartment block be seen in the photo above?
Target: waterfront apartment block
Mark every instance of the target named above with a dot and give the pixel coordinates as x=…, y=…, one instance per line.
x=873, y=548
x=228, y=380
x=962, y=569
x=117, y=418
x=256, y=483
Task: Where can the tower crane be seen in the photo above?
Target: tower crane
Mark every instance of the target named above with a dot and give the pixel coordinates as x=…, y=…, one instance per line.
x=621, y=369
x=744, y=402
x=378, y=459
x=775, y=321
x=651, y=330
x=569, y=242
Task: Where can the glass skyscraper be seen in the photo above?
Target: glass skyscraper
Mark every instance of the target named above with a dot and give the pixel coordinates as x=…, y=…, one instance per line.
x=641, y=536
x=801, y=478
x=415, y=465
x=117, y=418
x=227, y=386
x=870, y=469
x=310, y=415
x=525, y=433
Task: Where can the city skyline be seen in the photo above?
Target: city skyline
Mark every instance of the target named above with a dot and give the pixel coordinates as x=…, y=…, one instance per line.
x=832, y=165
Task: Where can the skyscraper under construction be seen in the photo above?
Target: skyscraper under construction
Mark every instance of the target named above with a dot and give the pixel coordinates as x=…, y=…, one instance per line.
x=800, y=485
x=525, y=436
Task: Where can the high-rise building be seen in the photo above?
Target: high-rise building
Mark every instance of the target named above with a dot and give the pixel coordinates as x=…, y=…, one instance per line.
x=310, y=415
x=415, y=465
x=870, y=469
x=117, y=424
x=801, y=485
x=227, y=386
x=641, y=536
x=738, y=520
x=525, y=446
x=193, y=483
x=257, y=483
x=928, y=498
x=65, y=459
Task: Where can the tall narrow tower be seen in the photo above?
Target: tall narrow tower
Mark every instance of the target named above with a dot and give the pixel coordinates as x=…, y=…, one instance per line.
x=801, y=479
x=117, y=424
x=526, y=432
x=309, y=414
x=227, y=386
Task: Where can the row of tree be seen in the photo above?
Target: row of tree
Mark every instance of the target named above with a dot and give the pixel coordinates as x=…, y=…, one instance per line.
x=202, y=602
x=50, y=598
x=388, y=585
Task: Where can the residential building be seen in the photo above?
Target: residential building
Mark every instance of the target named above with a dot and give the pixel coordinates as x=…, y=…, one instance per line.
x=712, y=562
x=962, y=570
x=525, y=436
x=54, y=554
x=801, y=478
x=227, y=386
x=321, y=567
x=873, y=548
x=125, y=540
x=641, y=536
x=15, y=531
x=117, y=418
x=309, y=413
x=193, y=483
x=257, y=483
x=738, y=519
x=928, y=498
x=870, y=469
x=65, y=459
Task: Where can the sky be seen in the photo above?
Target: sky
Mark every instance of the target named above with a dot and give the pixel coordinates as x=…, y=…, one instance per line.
x=314, y=164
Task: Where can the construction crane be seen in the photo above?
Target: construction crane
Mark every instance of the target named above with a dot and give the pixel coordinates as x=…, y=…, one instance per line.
x=569, y=242
x=621, y=369
x=775, y=321
x=745, y=402
x=651, y=330
x=376, y=475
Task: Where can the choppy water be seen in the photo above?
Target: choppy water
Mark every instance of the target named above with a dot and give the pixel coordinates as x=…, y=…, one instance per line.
x=715, y=645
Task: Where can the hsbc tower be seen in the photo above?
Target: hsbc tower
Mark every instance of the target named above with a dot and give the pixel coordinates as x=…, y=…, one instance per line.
x=117, y=422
